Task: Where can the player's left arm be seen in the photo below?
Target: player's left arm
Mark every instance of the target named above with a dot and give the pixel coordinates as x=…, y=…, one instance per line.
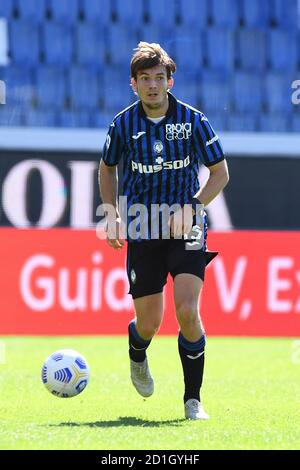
x=217, y=180
x=181, y=222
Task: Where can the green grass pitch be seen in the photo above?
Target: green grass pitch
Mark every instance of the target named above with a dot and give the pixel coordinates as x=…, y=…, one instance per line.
x=251, y=390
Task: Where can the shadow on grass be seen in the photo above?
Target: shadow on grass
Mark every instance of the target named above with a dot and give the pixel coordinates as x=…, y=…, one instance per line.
x=124, y=421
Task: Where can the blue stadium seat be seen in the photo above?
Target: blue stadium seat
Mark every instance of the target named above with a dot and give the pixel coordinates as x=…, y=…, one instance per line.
x=256, y=13
x=101, y=120
x=225, y=13
x=218, y=121
x=51, y=87
x=188, y=49
x=84, y=88
x=11, y=116
x=24, y=42
x=161, y=12
x=186, y=88
x=245, y=122
x=194, y=13
x=154, y=33
x=117, y=92
x=58, y=43
x=97, y=10
x=215, y=92
x=40, y=118
x=130, y=12
x=32, y=10
x=283, y=50
x=251, y=49
x=20, y=89
x=6, y=8
x=74, y=119
x=90, y=45
x=64, y=11
x=247, y=92
x=121, y=42
x=220, y=49
x=273, y=122
x=278, y=92
x=285, y=13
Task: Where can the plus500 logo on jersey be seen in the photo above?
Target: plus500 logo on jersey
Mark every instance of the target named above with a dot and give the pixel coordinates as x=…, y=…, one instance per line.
x=178, y=131
x=171, y=165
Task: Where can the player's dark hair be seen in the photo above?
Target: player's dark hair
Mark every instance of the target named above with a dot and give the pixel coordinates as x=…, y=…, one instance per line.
x=148, y=55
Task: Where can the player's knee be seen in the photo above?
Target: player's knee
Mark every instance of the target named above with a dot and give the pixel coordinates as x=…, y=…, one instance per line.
x=187, y=312
x=149, y=329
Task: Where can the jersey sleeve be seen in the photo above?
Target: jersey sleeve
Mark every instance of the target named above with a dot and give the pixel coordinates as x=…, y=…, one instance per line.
x=112, y=149
x=206, y=142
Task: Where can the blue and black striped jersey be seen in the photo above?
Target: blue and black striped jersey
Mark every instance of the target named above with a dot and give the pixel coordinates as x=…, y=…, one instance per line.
x=161, y=161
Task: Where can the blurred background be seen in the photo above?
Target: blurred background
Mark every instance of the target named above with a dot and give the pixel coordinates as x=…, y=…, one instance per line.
x=64, y=74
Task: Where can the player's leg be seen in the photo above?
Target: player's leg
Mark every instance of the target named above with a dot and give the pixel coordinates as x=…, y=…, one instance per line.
x=149, y=314
x=191, y=341
x=187, y=262
x=147, y=276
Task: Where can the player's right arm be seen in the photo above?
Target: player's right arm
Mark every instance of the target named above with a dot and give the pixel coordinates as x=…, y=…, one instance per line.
x=108, y=185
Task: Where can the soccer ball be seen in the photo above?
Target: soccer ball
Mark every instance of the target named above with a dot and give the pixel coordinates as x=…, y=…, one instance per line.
x=65, y=373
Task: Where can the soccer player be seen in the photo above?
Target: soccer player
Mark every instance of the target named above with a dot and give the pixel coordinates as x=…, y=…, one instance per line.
x=162, y=142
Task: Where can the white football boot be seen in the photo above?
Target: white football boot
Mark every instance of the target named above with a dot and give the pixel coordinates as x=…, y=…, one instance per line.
x=141, y=378
x=193, y=410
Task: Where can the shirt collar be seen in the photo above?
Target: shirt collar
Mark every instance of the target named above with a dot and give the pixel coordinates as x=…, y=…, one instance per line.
x=170, y=111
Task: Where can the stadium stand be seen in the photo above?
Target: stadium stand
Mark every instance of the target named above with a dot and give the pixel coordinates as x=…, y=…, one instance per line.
x=186, y=40
x=242, y=122
x=162, y=12
x=24, y=42
x=6, y=9
x=74, y=119
x=129, y=12
x=251, y=49
x=50, y=87
x=95, y=11
x=225, y=13
x=273, y=122
x=64, y=11
x=83, y=88
x=69, y=59
x=32, y=10
x=90, y=45
x=277, y=92
x=194, y=14
x=283, y=50
x=20, y=89
x=58, y=43
x=247, y=92
x=255, y=14
x=220, y=49
x=215, y=93
x=40, y=118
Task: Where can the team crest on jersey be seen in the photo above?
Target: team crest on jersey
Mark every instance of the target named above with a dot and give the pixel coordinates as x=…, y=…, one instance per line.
x=178, y=131
x=133, y=276
x=158, y=147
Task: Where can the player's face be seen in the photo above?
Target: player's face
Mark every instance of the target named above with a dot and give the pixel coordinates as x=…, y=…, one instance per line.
x=152, y=86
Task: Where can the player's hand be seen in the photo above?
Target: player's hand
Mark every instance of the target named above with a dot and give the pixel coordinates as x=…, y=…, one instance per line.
x=114, y=233
x=181, y=222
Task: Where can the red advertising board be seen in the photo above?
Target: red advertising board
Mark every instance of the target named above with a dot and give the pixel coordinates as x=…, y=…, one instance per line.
x=63, y=281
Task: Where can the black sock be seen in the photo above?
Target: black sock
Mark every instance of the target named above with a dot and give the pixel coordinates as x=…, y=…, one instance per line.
x=137, y=345
x=192, y=360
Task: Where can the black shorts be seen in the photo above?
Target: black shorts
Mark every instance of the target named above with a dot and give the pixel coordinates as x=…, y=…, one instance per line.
x=149, y=262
